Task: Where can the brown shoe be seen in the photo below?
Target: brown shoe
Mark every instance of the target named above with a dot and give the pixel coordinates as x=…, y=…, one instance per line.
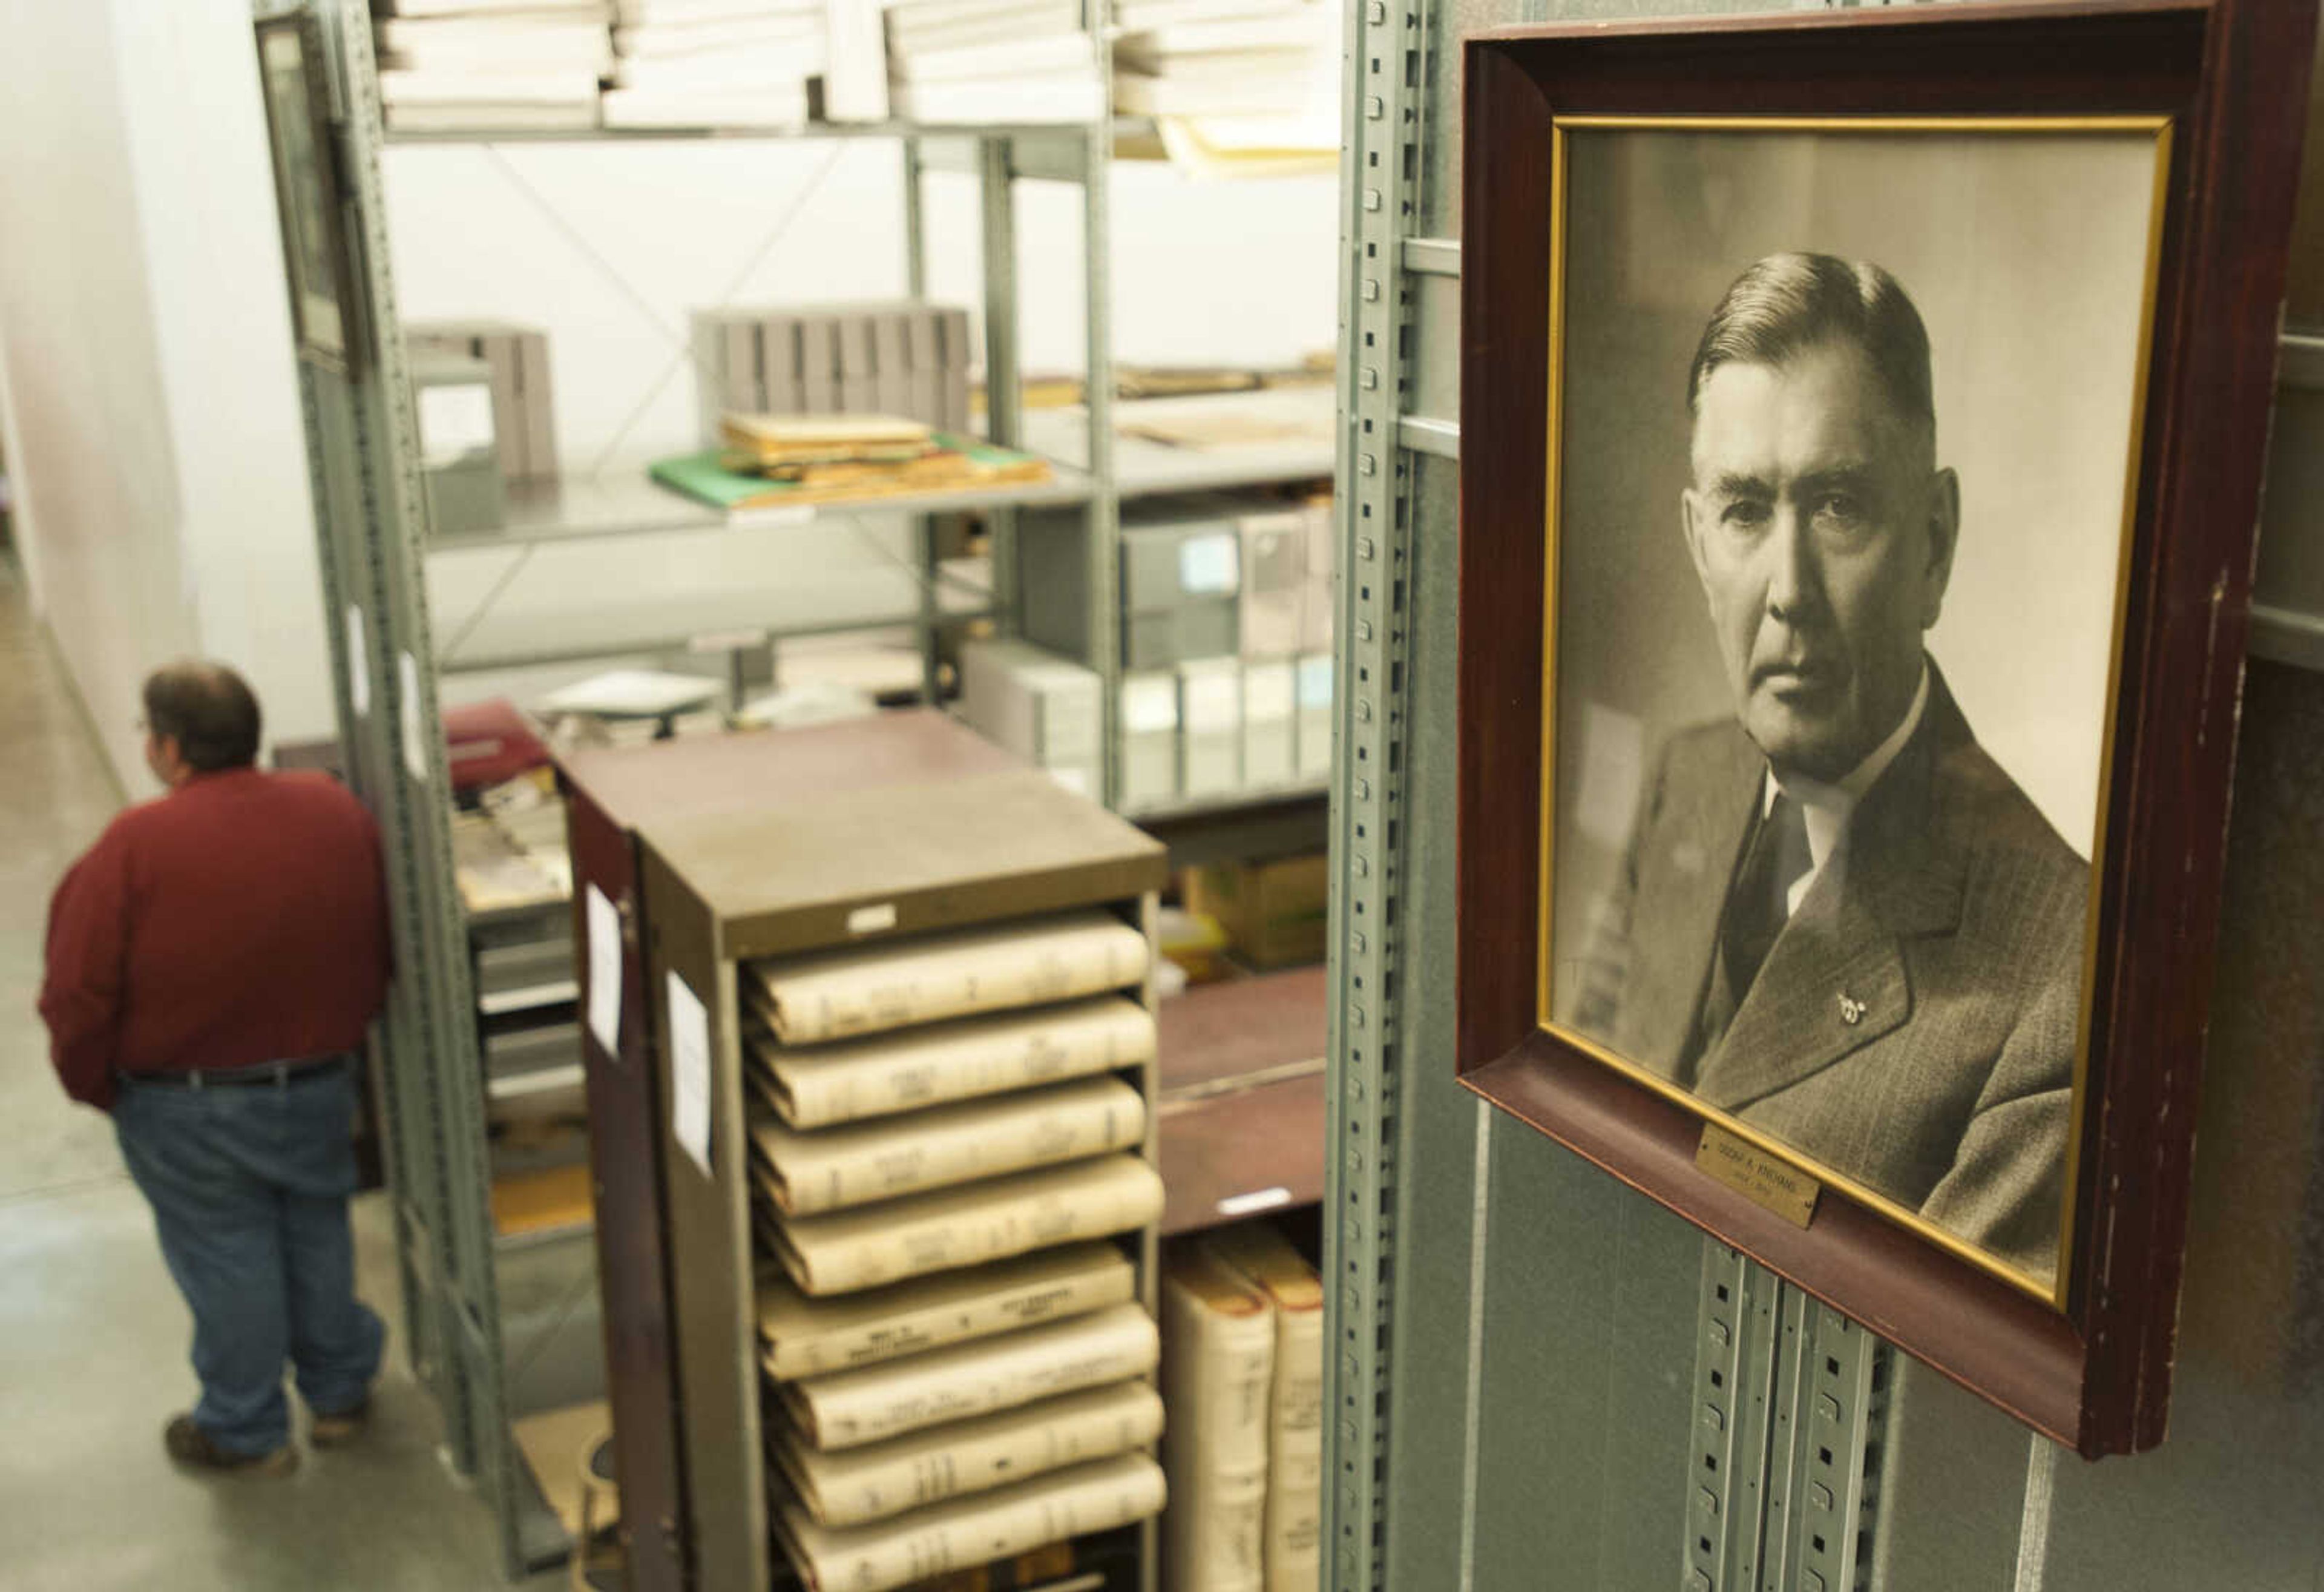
x=189, y=1444
x=335, y=1431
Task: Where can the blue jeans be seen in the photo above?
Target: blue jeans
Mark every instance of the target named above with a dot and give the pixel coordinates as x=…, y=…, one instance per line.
x=249, y=1187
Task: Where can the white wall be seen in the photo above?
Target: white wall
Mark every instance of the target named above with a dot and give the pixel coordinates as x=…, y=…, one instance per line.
x=95, y=461
x=156, y=446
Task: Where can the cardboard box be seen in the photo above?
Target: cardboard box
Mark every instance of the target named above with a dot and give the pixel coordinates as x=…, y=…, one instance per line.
x=459, y=458
x=776, y=342
x=524, y=414
x=1169, y=636
x=1210, y=726
x=1273, y=582
x=1043, y=708
x=1270, y=698
x=819, y=364
x=1320, y=599
x=1275, y=914
x=1150, y=738
x=1168, y=563
x=1314, y=738
x=1181, y=583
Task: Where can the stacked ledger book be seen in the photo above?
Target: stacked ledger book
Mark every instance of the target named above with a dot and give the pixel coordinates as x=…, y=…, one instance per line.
x=723, y=63
x=493, y=65
x=773, y=461
x=951, y=1190
x=1222, y=57
x=969, y=61
x=1242, y=1380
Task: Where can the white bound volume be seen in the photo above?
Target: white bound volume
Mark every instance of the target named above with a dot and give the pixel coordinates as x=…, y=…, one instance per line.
x=874, y=1245
x=884, y=1479
x=803, y=1337
x=832, y=995
x=823, y=1085
x=971, y=1531
x=852, y=1408
x=837, y=1167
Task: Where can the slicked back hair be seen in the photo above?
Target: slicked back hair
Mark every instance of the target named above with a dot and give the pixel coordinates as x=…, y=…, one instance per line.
x=1787, y=303
x=208, y=709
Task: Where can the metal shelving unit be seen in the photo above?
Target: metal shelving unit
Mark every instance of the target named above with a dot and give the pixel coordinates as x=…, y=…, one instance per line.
x=388, y=651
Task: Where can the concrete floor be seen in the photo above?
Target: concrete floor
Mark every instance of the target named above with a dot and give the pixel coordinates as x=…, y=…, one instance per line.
x=93, y=1337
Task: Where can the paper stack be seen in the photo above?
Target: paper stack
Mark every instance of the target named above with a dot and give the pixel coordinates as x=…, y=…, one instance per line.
x=1220, y=57
x=771, y=460
x=493, y=65
x=946, y=1144
x=717, y=63
x=969, y=61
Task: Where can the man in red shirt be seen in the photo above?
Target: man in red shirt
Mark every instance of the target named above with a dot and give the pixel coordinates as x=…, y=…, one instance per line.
x=213, y=965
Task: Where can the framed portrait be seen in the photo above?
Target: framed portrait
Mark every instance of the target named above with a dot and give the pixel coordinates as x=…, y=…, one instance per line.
x=1863, y=416
x=293, y=81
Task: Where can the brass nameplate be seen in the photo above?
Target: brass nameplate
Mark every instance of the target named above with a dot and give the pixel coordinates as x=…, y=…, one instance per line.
x=1757, y=1176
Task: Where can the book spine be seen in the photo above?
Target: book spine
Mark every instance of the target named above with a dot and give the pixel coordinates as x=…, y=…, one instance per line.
x=867, y=1079
x=1214, y=1533
x=940, y=1325
x=809, y=1175
x=940, y=1239
x=857, y=1407
x=1037, y=968
x=1073, y=1502
x=932, y=1467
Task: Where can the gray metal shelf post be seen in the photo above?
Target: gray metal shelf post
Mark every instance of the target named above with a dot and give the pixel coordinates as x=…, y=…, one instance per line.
x=1380, y=142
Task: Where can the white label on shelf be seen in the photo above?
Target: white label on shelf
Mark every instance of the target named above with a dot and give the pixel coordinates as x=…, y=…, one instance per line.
x=1207, y=563
x=1149, y=705
x=358, y=660
x=605, y=930
x=689, y=1073
x=415, y=748
x=725, y=641
x=454, y=422
x=872, y=920
x=1250, y=1204
x=773, y=518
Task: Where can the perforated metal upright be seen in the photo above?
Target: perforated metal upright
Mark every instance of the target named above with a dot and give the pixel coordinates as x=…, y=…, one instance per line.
x=1381, y=150
x=364, y=459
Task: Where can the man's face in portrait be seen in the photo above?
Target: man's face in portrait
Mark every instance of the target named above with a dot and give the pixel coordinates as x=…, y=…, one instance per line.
x=1823, y=535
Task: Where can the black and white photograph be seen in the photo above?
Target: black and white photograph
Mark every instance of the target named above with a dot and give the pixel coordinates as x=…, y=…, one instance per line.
x=1844, y=448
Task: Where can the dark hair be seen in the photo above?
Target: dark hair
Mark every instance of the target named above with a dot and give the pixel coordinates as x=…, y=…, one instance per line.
x=1786, y=303
x=208, y=710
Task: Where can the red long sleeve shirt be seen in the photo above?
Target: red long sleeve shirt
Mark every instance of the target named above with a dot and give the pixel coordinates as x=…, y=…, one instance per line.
x=240, y=919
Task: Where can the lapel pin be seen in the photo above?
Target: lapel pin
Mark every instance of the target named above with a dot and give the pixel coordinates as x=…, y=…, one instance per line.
x=1851, y=1010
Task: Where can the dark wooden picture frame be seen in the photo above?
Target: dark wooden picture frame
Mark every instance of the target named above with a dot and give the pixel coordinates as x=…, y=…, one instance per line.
x=294, y=87
x=2091, y=1366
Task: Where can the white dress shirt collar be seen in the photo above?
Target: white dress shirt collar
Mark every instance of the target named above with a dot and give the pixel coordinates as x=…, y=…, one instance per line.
x=1826, y=808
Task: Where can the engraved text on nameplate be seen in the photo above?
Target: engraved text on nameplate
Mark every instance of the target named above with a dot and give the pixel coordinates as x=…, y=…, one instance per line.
x=1757, y=1176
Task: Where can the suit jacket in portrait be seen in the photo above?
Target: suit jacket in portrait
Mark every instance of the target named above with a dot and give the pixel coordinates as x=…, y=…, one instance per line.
x=1914, y=1023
